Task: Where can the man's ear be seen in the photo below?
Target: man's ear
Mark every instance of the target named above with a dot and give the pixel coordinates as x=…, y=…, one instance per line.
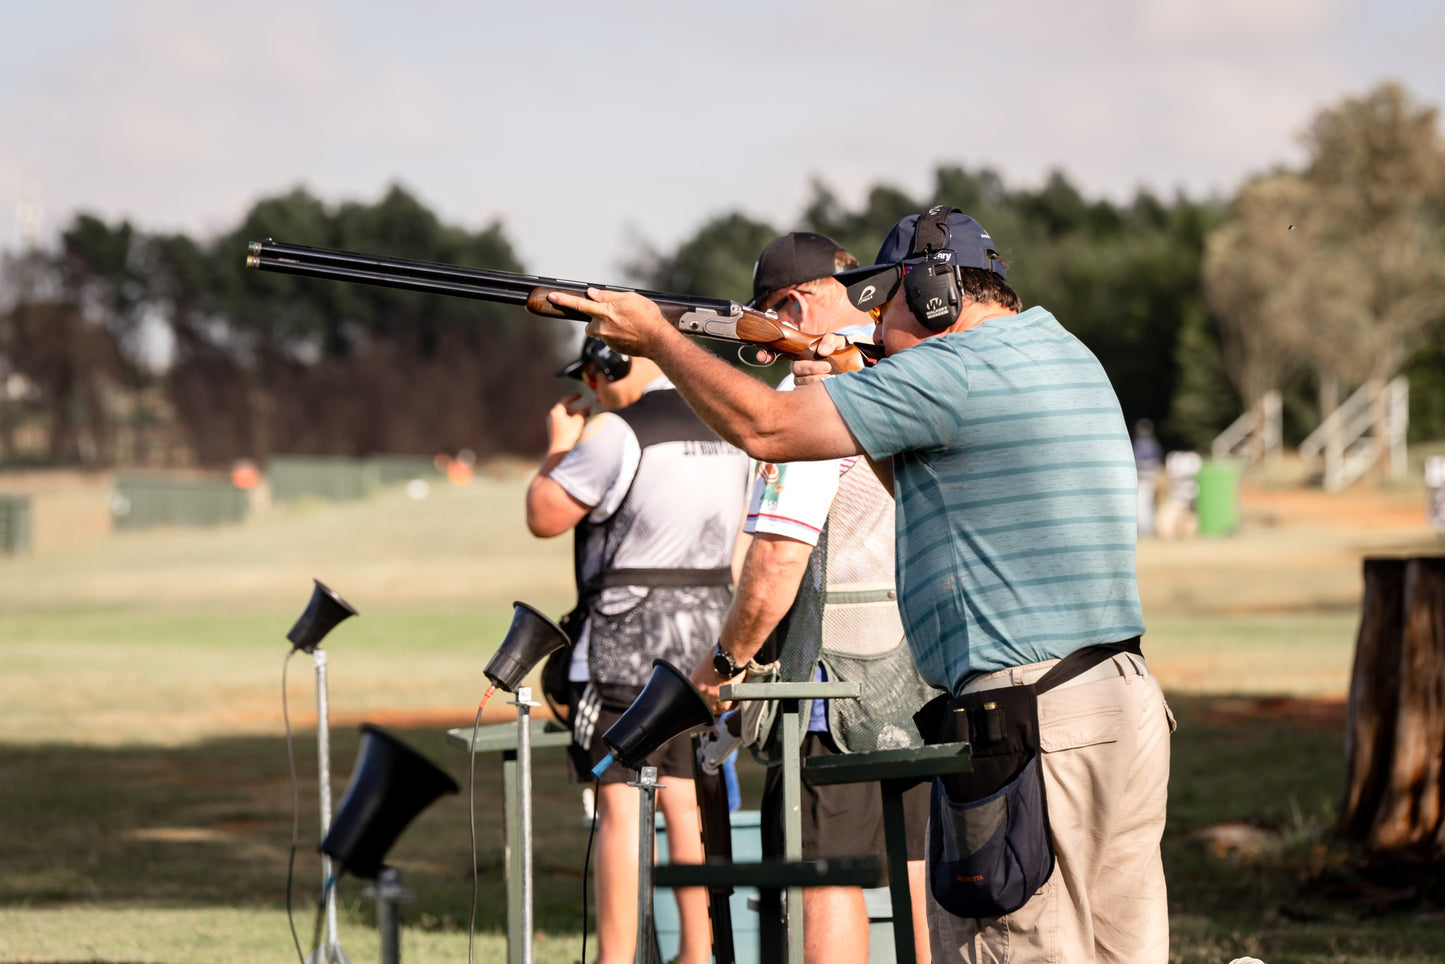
x=803, y=308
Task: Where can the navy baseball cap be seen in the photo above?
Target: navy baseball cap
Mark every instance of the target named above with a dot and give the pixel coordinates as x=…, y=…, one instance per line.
x=792, y=260
x=962, y=242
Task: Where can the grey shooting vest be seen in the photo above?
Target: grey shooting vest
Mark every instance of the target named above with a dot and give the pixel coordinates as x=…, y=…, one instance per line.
x=845, y=616
x=655, y=577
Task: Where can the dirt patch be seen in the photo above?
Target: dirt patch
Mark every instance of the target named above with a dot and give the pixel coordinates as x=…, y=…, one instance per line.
x=1361, y=508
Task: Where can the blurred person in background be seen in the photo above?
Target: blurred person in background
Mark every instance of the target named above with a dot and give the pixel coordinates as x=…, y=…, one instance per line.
x=654, y=500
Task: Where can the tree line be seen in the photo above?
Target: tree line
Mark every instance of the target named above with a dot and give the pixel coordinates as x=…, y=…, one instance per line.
x=123, y=347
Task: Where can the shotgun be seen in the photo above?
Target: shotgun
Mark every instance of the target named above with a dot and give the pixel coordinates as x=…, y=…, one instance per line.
x=705, y=317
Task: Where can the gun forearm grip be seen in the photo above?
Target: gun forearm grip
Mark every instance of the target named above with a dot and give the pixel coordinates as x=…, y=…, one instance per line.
x=538, y=304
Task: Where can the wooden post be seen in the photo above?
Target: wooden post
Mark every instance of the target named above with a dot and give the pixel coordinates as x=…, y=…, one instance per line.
x=1374, y=692
x=1395, y=741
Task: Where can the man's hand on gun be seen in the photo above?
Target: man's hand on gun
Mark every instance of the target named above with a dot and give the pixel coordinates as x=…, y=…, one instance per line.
x=806, y=371
x=627, y=321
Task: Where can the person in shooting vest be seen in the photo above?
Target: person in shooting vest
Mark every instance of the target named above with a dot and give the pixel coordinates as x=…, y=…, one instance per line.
x=1003, y=442
x=818, y=577
x=654, y=499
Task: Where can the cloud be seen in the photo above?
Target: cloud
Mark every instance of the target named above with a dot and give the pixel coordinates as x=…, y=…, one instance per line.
x=584, y=128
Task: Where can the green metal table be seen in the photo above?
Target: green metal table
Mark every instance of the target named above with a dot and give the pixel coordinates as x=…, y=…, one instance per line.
x=790, y=697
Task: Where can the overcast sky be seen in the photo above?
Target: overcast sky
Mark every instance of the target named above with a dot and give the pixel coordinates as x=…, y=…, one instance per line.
x=587, y=129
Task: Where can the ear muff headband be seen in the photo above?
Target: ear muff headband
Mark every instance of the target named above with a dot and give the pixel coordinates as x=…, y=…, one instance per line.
x=931, y=287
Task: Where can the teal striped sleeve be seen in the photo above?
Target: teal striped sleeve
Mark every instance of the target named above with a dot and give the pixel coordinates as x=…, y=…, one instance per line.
x=907, y=402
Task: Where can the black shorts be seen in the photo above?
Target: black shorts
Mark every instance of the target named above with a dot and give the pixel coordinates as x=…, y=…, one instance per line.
x=840, y=819
x=672, y=759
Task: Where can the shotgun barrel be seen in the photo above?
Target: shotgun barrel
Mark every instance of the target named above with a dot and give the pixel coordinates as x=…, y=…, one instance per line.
x=706, y=317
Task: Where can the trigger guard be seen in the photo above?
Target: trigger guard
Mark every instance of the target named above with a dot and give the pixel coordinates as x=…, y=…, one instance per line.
x=743, y=351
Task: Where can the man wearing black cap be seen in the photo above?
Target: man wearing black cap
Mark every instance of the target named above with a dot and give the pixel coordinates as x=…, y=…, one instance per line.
x=654, y=499
x=835, y=598
x=1011, y=467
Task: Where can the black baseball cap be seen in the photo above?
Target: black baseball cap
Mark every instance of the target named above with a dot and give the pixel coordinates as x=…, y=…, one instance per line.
x=791, y=260
x=964, y=243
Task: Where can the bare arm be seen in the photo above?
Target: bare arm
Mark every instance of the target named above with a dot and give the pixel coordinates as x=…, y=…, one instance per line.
x=773, y=426
x=551, y=509
x=771, y=573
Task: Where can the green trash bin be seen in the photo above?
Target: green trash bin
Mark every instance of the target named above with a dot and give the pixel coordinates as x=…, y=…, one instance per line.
x=1217, y=504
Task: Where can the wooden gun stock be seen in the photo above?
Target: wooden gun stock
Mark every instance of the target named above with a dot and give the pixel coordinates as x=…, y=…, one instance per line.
x=769, y=333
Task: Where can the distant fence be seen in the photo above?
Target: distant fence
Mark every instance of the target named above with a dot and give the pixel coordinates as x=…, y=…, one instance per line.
x=14, y=524
x=341, y=477
x=395, y=469
x=142, y=502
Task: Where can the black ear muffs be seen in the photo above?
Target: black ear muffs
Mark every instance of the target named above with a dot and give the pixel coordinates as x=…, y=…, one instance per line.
x=931, y=286
x=932, y=292
x=612, y=365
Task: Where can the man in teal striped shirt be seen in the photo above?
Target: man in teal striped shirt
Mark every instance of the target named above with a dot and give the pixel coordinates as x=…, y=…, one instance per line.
x=1004, y=445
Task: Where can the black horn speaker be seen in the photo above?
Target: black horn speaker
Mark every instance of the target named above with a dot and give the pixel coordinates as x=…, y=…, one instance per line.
x=668, y=705
x=390, y=785
x=530, y=639
x=323, y=612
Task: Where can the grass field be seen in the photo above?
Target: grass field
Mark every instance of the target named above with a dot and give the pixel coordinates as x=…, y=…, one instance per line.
x=145, y=807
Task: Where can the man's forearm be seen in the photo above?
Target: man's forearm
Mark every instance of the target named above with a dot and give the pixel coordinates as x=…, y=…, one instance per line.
x=771, y=574
x=767, y=424
x=730, y=402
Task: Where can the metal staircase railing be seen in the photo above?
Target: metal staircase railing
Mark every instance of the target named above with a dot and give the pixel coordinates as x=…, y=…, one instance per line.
x=1255, y=435
x=1345, y=442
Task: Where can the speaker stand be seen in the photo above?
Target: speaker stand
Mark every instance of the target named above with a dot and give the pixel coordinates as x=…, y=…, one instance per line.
x=389, y=896
x=522, y=912
x=646, y=840
x=329, y=952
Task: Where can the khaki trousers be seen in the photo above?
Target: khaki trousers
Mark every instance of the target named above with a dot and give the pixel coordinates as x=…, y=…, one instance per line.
x=1105, y=737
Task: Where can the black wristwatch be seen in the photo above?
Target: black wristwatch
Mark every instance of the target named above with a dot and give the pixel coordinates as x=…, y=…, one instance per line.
x=722, y=663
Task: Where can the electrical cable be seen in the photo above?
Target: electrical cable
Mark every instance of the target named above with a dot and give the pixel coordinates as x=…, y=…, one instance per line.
x=472, y=816
x=295, y=809
x=320, y=916
x=587, y=860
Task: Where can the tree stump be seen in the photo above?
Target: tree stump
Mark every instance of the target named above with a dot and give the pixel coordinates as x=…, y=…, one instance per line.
x=1395, y=739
